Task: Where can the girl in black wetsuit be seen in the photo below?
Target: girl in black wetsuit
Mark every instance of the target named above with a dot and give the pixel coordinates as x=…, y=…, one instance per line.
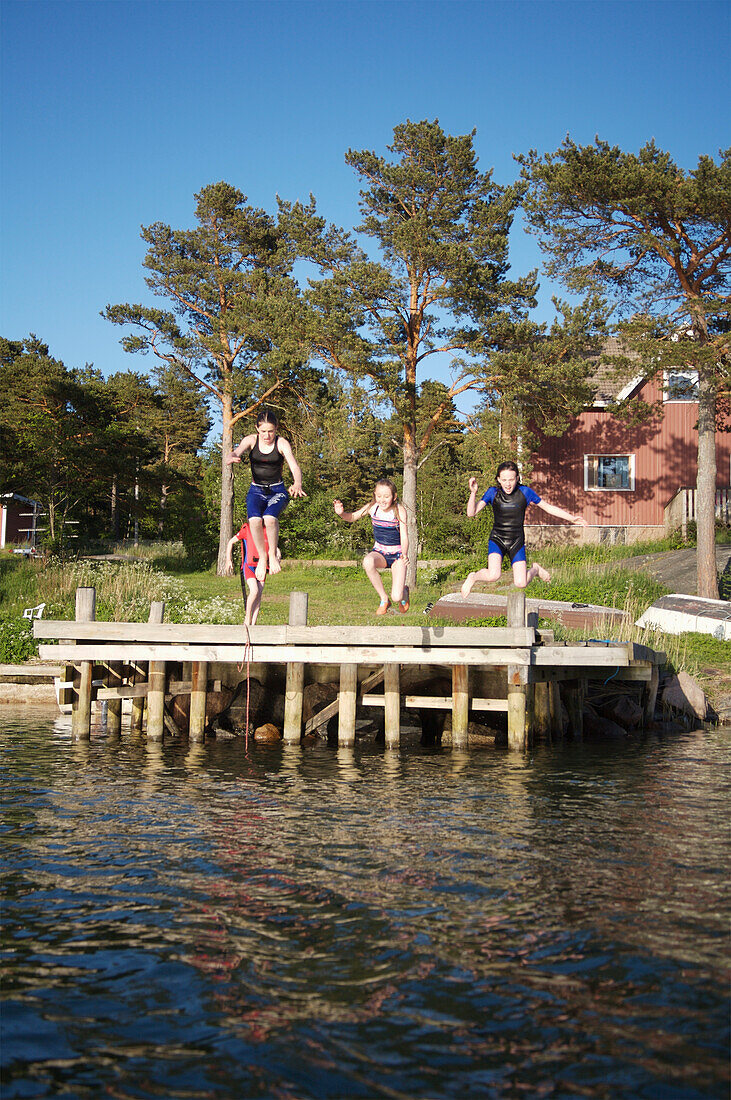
x=509, y=500
x=267, y=497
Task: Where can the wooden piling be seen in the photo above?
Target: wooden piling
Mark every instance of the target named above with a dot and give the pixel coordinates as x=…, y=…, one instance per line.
x=198, y=685
x=517, y=681
x=295, y=685
x=460, y=706
x=81, y=708
x=574, y=695
x=392, y=705
x=650, y=697
x=346, y=704
x=114, y=706
x=542, y=711
x=157, y=614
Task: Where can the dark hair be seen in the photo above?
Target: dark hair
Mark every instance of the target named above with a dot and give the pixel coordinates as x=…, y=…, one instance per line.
x=508, y=466
x=266, y=416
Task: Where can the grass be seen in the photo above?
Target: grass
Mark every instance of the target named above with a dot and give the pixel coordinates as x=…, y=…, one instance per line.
x=344, y=596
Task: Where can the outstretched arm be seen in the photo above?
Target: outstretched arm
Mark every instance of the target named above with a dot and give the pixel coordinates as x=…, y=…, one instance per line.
x=349, y=517
x=561, y=513
x=245, y=445
x=295, y=489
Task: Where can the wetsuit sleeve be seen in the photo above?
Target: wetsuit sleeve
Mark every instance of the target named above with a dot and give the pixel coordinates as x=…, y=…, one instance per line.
x=530, y=494
x=490, y=495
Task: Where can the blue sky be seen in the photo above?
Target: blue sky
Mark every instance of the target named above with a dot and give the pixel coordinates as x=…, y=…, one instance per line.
x=116, y=113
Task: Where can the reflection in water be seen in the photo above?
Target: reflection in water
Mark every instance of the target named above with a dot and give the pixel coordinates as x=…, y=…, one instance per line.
x=202, y=920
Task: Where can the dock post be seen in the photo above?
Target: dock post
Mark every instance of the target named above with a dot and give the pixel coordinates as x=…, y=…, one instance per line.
x=157, y=614
x=199, y=683
x=650, y=699
x=81, y=708
x=156, y=701
x=295, y=684
x=542, y=705
x=517, y=688
x=575, y=706
x=460, y=706
x=114, y=706
x=346, y=704
x=392, y=705
x=556, y=714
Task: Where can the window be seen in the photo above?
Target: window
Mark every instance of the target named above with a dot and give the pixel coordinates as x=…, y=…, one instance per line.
x=609, y=472
x=680, y=385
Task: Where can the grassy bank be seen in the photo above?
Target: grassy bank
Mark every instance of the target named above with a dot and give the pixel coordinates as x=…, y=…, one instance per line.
x=337, y=596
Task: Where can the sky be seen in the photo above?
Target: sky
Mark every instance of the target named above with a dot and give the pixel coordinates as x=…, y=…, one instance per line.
x=116, y=113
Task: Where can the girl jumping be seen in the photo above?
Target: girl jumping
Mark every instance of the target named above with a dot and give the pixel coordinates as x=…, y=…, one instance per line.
x=390, y=545
x=267, y=497
x=509, y=500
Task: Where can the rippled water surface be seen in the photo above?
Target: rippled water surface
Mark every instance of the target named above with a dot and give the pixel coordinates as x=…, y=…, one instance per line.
x=197, y=922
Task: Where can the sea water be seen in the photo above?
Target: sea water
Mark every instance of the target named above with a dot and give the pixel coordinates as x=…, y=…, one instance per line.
x=224, y=920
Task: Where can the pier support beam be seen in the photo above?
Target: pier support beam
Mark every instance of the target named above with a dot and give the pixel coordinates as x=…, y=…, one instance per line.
x=114, y=706
x=460, y=706
x=392, y=705
x=295, y=685
x=198, y=684
x=157, y=614
x=81, y=708
x=575, y=690
x=648, y=711
x=346, y=704
x=518, y=712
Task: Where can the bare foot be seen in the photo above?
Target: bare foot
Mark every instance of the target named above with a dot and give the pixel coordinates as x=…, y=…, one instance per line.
x=541, y=572
x=274, y=566
x=261, y=570
x=468, y=585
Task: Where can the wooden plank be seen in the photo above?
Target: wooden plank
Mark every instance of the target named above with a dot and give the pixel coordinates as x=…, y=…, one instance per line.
x=327, y=655
x=139, y=691
x=579, y=656
x=217, y=634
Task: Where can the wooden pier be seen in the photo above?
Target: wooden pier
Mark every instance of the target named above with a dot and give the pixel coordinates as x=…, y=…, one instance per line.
x=514, y=669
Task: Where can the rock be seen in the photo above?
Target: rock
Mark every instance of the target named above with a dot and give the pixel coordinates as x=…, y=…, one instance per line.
x=315, y=697
x=216, y=703
x=263, y=707
x=597, y=726
x=267, y=732
x=683, y=693
x=624, y=711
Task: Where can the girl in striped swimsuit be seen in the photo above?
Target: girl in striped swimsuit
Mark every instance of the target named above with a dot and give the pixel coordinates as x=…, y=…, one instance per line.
x=390, y=543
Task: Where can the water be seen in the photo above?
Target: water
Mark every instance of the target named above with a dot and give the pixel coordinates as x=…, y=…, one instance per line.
x=196, y=922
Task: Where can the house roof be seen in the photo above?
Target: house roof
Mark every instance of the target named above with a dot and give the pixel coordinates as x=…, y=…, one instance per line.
x=610, y=386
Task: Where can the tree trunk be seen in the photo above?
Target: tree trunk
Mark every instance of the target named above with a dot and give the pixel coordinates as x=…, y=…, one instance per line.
x=409, y=502
x=227, y=484
x=705, y=501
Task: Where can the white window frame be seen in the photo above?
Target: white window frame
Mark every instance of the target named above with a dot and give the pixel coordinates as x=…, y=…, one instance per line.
x=679, y=372
x=592, y=459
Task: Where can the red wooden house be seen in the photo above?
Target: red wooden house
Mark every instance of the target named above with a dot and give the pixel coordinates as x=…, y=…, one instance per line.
x=630, y=483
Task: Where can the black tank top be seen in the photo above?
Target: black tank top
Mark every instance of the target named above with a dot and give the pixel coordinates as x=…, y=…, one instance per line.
x=508, y=513
x=266, y=469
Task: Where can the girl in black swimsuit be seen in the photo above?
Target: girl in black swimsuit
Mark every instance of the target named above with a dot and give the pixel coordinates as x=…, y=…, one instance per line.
x=509, y=500
x=267, y=496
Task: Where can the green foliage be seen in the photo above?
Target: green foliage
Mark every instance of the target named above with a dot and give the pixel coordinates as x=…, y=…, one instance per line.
x=17, y=643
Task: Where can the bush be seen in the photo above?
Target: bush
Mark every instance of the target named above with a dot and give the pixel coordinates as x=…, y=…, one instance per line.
x=17, y=643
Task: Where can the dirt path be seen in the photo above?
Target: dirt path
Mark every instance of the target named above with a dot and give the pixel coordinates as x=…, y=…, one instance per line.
x=677, y=569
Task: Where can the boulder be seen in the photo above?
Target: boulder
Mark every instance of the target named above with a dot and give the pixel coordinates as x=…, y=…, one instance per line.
x=315, y=697
x=625, y=711
x=684, y=694
x=264, y=706
x=595, y=726
x=267, y=732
